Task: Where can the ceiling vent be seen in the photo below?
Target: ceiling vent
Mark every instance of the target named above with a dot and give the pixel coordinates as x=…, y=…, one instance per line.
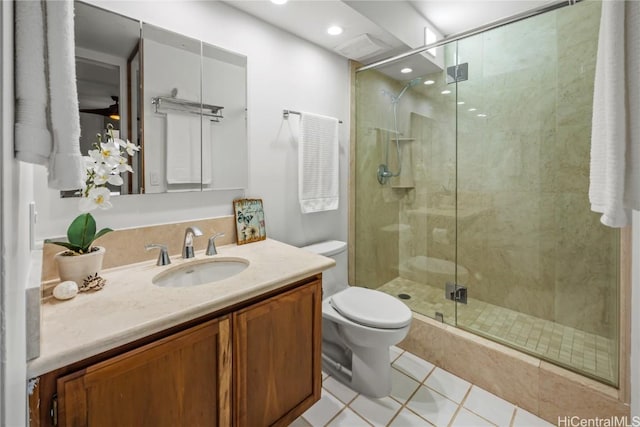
x=361, y=47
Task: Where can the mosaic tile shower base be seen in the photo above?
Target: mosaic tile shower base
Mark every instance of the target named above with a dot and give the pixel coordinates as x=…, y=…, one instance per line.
x=569, y=347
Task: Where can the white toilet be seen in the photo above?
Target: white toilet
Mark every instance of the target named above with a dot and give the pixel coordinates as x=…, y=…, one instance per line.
x=358, y=327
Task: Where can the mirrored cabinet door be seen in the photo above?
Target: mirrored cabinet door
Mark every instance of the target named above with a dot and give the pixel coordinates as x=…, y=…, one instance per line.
x=107, y=48
x=182, y=101
x=172, y=111
x=224, y=143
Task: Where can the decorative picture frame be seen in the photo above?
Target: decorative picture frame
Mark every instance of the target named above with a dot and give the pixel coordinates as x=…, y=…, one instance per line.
x=249, y=219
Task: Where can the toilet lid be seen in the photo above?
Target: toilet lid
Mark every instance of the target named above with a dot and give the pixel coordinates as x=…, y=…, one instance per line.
x=371, y=308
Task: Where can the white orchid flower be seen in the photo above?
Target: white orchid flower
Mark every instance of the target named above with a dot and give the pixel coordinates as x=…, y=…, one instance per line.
x=128, y=146
x=106, y=174
x=110, y=152
x=101, y=175
x=104, y=165
x=98, y=197
x=123, y=165
x=115, y=180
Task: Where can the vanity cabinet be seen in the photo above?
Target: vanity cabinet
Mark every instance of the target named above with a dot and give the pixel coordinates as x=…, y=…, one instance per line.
x=277, y=358
x=182, y=379
x=254, y=364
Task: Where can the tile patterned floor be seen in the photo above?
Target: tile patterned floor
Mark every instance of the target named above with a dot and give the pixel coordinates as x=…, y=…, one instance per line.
x=574, y=349
x=421, y=395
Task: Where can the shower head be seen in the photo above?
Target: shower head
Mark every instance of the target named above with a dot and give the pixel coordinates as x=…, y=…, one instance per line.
x=409, y=84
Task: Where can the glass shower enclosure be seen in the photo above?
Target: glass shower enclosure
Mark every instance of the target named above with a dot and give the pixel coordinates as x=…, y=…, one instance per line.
x=471, y=191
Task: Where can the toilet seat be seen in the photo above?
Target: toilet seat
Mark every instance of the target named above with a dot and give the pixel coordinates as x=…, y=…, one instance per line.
x=371, y=308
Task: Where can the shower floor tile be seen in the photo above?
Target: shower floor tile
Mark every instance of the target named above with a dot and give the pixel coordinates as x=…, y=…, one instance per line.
x=415, y=403
x=581, y=351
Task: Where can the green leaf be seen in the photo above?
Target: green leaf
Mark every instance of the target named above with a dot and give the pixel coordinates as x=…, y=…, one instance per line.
x=67, y=245
x=82, y=231
x=102, y=233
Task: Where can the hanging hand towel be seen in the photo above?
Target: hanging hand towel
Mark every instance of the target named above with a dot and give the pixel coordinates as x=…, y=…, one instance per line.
x=65, y=162
x=32, y=137
x=615, y=135
x=318, y=178
x=184, y=152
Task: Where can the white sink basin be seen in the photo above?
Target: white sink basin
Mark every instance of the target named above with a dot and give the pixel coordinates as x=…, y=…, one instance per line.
x=200, y=272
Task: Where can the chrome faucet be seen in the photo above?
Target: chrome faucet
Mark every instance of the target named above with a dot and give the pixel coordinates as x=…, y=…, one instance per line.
x=211, y=247
x=163, y=256
x=187, y=247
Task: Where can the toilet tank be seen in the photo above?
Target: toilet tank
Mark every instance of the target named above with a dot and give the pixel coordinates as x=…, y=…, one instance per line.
x=334, y=279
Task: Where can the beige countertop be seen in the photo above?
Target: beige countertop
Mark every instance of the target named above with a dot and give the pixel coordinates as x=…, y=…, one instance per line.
x=130, y=307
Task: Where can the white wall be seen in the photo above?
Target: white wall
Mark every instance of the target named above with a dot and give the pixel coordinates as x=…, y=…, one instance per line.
x=283, y=72
x=17, y=191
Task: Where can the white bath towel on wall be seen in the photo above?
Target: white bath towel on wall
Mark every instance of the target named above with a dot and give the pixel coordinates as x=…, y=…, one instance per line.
x=65, y=162
x=318, y=168
x=46, y=83
x=32, y=137
x=186, y=160
x=615, y=136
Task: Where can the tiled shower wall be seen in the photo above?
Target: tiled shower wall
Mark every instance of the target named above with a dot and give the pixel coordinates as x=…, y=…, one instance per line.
x=526, y=238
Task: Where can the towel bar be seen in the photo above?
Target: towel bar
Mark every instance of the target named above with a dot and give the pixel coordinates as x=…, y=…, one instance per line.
x=285, y=114
x=187, y=106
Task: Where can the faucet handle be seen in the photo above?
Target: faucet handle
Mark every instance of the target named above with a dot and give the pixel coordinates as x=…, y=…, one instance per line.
x=211, y=247
x=163, y=256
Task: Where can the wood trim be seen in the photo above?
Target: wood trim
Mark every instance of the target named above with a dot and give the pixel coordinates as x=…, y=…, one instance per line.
x=239, y=359
x=353, y=176
x=130, y=119
x=71, y=391
x=624, y=324
x=34, y=403
x=317, y=343
x=224, y=373
x=153, y=350
x=143, y=188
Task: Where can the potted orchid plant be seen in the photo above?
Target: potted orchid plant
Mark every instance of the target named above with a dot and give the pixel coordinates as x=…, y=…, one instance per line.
x=81, y=261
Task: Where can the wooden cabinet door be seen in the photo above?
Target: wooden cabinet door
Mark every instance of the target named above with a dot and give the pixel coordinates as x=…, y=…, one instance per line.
x=277, y=357
x=180, y=380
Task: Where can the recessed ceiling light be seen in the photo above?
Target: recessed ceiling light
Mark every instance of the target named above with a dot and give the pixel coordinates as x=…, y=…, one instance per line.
x=429, y=82
x=406, y=70
x=482, y=115
x=278, y=2
x=334, y=30
x=446, y=92
x=472, y=109
x=460, y=102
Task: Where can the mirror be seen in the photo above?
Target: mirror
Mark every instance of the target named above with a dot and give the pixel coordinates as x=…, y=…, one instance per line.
x=107, y=74
x=182, y=100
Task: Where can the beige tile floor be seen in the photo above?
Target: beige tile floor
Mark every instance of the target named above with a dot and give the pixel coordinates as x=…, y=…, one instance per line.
x=422, y=395
x=577, y=350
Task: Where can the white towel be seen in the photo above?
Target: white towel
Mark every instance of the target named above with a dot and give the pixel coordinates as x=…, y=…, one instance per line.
x=65, y=162
x=615, y=135
x=185, y=155
x=46, y=83
x=32, y=137
x=318, y=173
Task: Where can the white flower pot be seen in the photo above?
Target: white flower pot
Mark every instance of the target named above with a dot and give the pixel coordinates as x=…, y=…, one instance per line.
x=78, y=267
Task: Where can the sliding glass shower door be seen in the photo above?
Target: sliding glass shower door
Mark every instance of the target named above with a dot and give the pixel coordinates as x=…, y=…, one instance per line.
x=544, y=271
x=471, y=184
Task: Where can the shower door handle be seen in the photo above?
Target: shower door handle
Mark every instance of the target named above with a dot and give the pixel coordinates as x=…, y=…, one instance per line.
x=455, y=292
